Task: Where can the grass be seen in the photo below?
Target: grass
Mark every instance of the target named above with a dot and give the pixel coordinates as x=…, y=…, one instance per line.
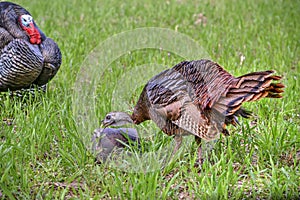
x=43, y=152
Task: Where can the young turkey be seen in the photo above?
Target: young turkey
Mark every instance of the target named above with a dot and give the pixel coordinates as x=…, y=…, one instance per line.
x=27, y=56
x=104, y=141
x=197, y=98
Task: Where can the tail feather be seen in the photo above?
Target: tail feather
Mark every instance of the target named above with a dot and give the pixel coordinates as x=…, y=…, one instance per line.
x=249, y=87
x=275, y=88
x=252, y=83
x=276, y=78
x=232, y=119
x=255, y=86
x=259, y=96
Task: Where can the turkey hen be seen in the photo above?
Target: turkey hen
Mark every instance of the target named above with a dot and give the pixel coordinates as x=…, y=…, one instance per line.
x=107, y=139
x=27, y=56
x=197, y=98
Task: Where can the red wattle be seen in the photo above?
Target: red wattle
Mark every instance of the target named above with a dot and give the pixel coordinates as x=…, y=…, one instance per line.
x=35, y=37
x=33, y=33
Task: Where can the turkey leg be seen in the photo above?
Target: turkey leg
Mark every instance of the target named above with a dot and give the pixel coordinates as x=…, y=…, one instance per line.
x=178, y=141
x=198, y=142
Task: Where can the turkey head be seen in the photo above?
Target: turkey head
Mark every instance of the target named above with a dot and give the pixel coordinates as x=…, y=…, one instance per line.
x=27, y=24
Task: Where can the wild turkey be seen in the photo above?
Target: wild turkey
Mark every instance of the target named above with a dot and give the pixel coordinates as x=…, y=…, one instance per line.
x=107, y=139
x=27, y=56
x=198, y=98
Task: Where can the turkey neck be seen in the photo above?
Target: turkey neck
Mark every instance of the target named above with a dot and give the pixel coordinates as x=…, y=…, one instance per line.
x=141, y=109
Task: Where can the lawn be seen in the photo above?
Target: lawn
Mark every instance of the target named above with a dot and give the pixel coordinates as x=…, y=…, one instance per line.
x=110, y=49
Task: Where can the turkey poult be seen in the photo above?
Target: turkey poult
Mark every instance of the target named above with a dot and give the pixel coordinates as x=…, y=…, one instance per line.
x=197, y=98
x=104, y=141
x=27, y=56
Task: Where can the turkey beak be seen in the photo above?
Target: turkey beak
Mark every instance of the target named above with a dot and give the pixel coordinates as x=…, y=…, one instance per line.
x=106, y=123
x=31, y=26
x=102, y=123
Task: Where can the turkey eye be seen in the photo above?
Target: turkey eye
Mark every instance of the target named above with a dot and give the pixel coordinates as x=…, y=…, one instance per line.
x=26, y=20
x=108, y=117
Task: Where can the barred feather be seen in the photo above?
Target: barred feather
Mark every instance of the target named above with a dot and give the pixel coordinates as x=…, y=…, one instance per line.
x=22, y=63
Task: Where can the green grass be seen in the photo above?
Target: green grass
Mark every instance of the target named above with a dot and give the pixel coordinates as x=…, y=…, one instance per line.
x=43, y=152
